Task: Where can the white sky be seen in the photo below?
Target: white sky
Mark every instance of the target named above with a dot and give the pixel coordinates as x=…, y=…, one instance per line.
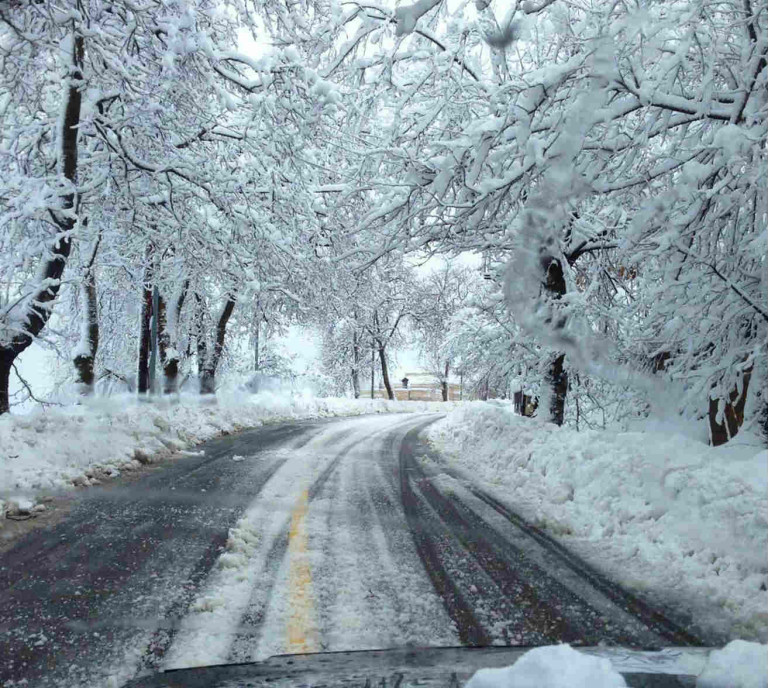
x=36, y=365
x=304, y=343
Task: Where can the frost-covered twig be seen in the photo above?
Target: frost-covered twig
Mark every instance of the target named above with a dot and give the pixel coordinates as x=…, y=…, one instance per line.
x=29, y=391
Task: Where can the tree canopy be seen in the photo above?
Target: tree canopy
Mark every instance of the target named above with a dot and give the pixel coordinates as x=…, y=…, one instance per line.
x=605, y=162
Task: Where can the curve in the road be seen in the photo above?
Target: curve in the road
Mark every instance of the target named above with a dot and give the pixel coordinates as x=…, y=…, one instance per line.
x=396, y=555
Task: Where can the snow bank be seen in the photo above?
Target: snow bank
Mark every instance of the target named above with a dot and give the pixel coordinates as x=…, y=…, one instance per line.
x=682, y=522
x=738, y=665
x=553, y=666
x=79, y=445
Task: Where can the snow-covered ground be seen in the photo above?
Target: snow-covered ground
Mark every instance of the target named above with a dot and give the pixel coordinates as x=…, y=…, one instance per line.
x=64, y=447
x=739, y=664
x=675, y=519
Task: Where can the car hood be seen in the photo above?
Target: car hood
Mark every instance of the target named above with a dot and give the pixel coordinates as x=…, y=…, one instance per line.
x=445, y=667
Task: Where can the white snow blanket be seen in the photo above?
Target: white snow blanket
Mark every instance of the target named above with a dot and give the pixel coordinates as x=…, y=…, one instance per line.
x=553, y=666
x=79, y=445
x=739, y=664
x=677, y=520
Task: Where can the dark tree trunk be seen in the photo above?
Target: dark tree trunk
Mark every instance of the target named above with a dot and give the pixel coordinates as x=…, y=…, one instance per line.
x=202, y=353
x=163, y=336
x=355, y=365
x=84, y=361
x=524, y=404
x=168, y=341
x=385, y=372
x=39, y=311
x=208, y=374
x=733, y=414
x=202, y=341
x=445, y=381
x=557, y=377
x=7, y=357
x=373, y=370
x=558, y=382
x=171, y=376
x=145, y=333
x=208, y=381
x=256, y=344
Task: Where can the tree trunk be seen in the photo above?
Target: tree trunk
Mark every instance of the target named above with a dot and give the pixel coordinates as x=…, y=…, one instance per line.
x=558, y=382
x=733, y=414
x=163, y=336
x=202, y=342
x=256, y=343
x=208, y=376
x=355, y=365
x=208, y=381
x=145, y=319
x=7, y=356
x=445, y=381
x=168, y=341
x=557, y=377
x=84, y=360
x=373, y=370
x=385, y=372
x=39, y=305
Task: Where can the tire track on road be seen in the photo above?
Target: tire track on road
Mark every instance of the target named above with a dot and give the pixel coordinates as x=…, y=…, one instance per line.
x=552, y=609
x=624, y=599
x=162, y=638
x=248, y=636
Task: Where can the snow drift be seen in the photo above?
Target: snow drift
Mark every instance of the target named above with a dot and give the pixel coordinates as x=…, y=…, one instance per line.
x=81, y=445
x=681, y=522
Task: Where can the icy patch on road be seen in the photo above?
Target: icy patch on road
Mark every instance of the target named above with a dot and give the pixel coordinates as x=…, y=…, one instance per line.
x=658, y=512
x=83, y=445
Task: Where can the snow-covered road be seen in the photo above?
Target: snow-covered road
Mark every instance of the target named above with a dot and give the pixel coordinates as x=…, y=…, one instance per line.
x=303, y=537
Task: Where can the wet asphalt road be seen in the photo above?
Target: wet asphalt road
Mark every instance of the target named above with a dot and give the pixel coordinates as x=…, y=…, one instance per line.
x=111, y=584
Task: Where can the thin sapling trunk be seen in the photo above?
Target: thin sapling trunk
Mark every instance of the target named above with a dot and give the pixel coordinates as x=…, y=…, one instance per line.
x=385, y=372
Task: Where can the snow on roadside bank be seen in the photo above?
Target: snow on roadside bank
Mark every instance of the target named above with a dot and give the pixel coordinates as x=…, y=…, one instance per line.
x=739, y=664
x=670, y=517
x=78, y=445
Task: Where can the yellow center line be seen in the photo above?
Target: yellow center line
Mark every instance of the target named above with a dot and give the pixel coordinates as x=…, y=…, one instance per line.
x=302, y=630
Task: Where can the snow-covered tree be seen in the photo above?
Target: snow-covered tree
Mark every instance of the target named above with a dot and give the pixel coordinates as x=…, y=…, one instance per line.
x=588, y=137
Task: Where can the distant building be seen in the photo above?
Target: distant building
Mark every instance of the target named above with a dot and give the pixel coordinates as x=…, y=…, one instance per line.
x=420, y=387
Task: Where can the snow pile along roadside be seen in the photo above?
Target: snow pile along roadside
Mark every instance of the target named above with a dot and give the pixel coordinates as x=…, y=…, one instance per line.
x=79, y=445
x=681, y=522
x=738, y=665
x=553, y=666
